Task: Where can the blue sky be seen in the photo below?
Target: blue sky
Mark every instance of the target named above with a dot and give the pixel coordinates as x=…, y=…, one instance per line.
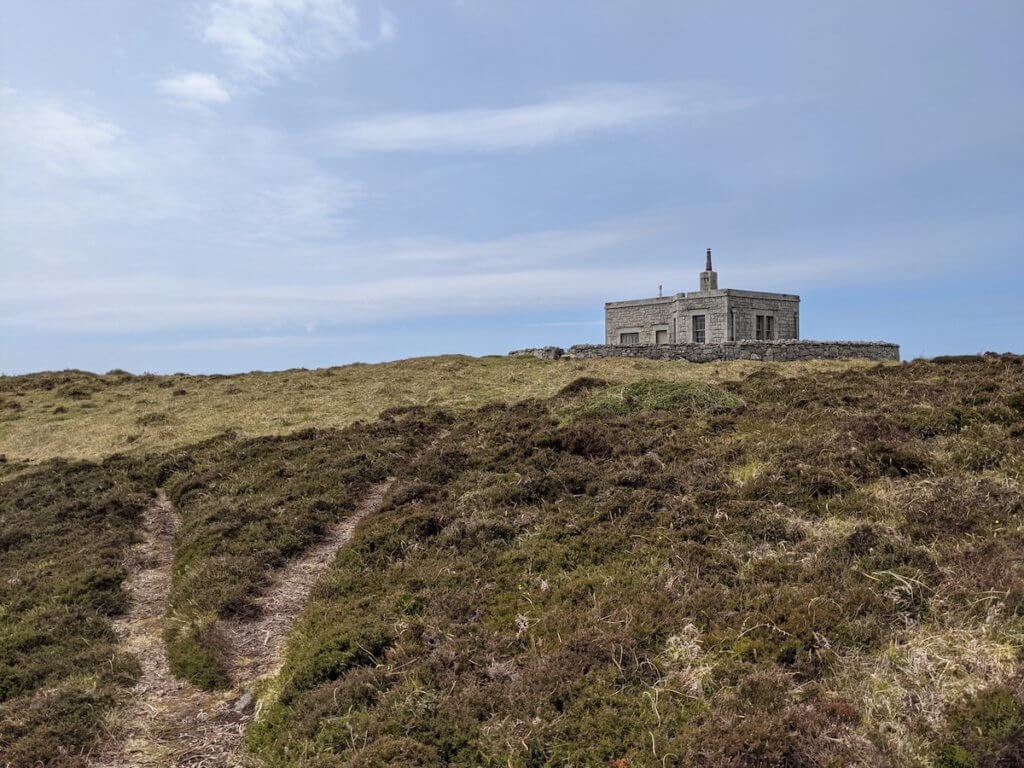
x=226, y=185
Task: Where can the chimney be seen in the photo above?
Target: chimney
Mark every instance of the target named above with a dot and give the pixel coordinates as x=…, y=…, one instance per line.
x=708, y=278
x=659, y=291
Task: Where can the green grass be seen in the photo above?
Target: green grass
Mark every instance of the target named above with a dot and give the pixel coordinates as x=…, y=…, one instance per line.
x=64, y=528
x=75, y=414
x=607, y=589
x=690, y=397
x=619, y=564
x=247, y=506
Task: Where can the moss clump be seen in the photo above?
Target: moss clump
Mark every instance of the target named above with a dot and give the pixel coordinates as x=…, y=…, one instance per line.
x=193, y=653
x=690, y=397
x=985, y=729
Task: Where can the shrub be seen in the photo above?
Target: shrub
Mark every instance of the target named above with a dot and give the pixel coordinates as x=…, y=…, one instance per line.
x=64, y=528
x=882, y=459
x=582, y=384
x=959, y=506
x=154, y=419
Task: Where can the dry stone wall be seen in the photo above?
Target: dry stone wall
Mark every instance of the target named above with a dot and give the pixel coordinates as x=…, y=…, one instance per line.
x=772, y=351
x=544, y=353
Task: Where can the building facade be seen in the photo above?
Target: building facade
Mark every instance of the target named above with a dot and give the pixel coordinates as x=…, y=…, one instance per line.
x=708, y=316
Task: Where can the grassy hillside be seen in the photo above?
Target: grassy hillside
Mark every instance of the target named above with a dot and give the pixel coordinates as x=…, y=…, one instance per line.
x=64, y=529
x=246, y=506
x=813, y=571
x=87, y=416
x=611, y=563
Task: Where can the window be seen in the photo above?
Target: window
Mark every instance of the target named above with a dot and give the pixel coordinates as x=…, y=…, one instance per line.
x=764, y=328
x=629, y=338
x=661, y=337
x=698, y=329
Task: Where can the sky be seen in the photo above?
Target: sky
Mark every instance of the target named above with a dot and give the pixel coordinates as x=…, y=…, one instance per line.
x=229, y=185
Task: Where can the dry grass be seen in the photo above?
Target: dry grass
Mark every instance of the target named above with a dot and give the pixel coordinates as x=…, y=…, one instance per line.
x=905, y=689
x=82, y=415
x=831, y=573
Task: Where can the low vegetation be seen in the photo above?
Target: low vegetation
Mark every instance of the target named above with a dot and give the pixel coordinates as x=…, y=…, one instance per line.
x=757, y=566
x=247, y=506
x=75, y=414
x=64, y=529
x=773, y=573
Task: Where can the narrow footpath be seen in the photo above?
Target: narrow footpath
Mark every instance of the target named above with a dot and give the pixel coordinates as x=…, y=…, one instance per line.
x=169, y=722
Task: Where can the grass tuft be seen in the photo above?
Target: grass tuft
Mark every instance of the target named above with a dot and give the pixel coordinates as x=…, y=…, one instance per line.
x=690, y=397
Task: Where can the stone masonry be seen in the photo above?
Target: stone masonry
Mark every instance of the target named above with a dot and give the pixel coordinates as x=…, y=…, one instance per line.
x=769, y=351
x=712, y=324
x=709, y=316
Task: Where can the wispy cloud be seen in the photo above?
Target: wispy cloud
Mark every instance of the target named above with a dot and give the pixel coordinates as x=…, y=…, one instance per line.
x=227, y=343
x=264, y=39
x=530, y=249
x=595, y=109
x=63, y=164
x=264, y=301
x=57, y=138
x=387, y=27
x=195, y=88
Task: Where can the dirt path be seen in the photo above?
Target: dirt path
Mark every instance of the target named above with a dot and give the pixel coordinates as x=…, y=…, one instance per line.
x=171, y=723
x=256, y=645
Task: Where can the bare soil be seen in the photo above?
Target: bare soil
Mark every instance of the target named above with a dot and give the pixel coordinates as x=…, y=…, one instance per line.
x=171, y=723
x=255, y=645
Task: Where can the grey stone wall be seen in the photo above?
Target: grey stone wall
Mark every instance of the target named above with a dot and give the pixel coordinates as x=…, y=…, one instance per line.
x=643, y=316
x=772, y=351
x=744, y=309
x=720, y=307
x=712, y=306
x=544, y=353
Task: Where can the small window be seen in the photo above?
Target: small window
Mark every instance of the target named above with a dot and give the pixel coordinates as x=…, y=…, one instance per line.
x=698, y=329
x=629, y=338
x=764, y=329
x=661, y=337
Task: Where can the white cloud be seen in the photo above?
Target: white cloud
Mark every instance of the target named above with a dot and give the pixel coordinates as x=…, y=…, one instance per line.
x=230, y=343
x=595, y=109
x=267, y=38
x=63, y=164
x=80, y=192
x=576, y=270
x=55, y=138
x=195, y=88
x=388, y=26
x=512, y=252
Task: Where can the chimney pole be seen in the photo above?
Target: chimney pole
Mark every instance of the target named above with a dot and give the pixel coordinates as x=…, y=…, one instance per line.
x=708, y=278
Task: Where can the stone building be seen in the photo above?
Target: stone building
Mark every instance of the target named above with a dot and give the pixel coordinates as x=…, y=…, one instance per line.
x=708, y=316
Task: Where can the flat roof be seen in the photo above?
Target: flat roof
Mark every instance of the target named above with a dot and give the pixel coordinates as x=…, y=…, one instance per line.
x=705, y=294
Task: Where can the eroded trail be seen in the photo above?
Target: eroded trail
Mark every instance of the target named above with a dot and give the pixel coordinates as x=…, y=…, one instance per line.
x=157, y=727
x=255, y=646
x=171, y=723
